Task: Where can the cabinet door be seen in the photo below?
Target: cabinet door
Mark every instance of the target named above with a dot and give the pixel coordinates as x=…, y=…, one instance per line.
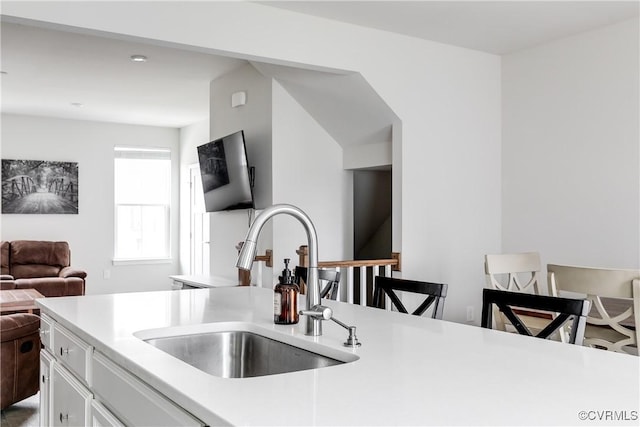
x=133, y=400
x=70, y=400
x=102, y=417
x=46, y=364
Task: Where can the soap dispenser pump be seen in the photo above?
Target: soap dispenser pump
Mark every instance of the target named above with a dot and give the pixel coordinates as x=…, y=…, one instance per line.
x=285, y=298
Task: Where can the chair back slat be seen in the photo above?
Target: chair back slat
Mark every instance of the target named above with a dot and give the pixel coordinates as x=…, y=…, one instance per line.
x=424, y=306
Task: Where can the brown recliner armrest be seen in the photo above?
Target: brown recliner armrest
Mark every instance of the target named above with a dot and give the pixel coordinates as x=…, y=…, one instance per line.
x=6, y=277
x=72, y=272
x=18, y=325
x=53, y=286
x=7, y=283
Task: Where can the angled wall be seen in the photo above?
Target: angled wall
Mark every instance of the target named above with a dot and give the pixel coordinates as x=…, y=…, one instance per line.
x=308, y=173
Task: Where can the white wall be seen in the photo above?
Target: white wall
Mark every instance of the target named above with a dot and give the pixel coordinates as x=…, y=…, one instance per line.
x=308, y=173
x=447, y=98
x=229, y=228
x=571, y=183
x=90, y=233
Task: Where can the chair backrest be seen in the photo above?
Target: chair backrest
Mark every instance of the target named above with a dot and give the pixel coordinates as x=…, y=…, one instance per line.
x=563, y=308
x=31, y=258
x=522, y=272
x=614, y=321
x=330, y=277
x=436, y=294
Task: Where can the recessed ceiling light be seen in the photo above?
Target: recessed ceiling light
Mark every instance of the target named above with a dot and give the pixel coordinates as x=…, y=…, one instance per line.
x=77, y=104
x=138, y=58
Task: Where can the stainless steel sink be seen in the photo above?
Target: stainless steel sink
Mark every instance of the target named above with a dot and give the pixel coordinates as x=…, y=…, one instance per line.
x=240, y=354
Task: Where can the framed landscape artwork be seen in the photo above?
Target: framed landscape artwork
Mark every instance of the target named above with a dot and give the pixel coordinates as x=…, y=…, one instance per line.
x=39, y=187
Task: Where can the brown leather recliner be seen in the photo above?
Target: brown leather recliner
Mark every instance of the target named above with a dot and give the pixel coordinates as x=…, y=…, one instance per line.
x=20, y=355
x=40, y=265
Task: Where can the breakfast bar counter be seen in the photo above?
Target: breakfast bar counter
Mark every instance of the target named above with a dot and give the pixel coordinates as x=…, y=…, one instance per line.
x=408, y=371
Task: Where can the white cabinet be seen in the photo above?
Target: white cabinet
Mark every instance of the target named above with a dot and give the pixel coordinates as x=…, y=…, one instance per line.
x=82, y=387
x=70, y=400
x=65, y=377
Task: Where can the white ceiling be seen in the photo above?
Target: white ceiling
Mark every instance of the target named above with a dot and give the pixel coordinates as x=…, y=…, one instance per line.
x=498, y=27
x=47, y=70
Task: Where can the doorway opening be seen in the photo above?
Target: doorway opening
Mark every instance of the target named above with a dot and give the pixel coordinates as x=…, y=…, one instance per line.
x=372, y=226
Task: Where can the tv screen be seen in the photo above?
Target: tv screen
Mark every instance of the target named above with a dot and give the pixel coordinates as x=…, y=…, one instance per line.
x=225, y=174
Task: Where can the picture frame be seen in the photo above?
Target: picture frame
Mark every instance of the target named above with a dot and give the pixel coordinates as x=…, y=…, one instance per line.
x=39, y=187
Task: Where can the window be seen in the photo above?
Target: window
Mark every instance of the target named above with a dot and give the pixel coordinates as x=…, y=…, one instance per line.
x=142, y=202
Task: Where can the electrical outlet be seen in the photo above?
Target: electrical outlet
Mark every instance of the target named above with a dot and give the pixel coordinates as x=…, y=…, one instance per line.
x=470, y=314
x=106, y=274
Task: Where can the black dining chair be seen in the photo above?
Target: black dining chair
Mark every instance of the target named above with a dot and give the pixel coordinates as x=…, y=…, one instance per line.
x=329, y=276
x=436, y=294
x=513, y=304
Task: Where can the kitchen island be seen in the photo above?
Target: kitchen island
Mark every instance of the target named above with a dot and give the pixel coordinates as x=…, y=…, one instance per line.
x=408, y=371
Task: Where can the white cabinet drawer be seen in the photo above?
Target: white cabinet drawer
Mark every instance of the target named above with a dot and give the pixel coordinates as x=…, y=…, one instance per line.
x=46, y=325
x=101, y=417
x=71, y=401
x=137, y=403
x=74, y=353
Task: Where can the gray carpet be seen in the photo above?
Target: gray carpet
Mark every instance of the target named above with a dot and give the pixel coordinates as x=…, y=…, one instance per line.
x=23, y=413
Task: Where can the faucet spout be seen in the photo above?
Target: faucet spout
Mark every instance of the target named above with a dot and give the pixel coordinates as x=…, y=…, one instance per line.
x=248, y=253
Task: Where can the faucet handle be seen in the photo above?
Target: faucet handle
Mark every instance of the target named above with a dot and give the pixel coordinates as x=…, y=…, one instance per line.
x=318, y=312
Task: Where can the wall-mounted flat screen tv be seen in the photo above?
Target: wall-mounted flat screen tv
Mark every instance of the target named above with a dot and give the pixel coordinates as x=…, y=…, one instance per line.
x=226, y=176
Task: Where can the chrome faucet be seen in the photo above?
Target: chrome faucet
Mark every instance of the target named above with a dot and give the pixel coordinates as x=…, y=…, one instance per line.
x=248, y=254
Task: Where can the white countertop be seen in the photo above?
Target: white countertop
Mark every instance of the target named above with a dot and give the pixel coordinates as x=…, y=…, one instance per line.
x=410, y=371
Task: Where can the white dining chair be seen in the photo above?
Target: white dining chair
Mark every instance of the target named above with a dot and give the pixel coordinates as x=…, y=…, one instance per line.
x=516, y=272
x=614, y=320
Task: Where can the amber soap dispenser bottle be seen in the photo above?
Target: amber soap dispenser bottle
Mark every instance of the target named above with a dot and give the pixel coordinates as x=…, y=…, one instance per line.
x=285, y=298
